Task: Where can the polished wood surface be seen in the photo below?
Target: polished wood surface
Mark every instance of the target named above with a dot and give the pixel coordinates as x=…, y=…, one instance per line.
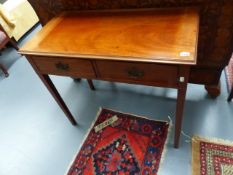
x=140, y=47
x=215, y=38
x=168, y=36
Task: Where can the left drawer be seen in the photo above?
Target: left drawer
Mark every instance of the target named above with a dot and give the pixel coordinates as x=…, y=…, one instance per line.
x=64, y=66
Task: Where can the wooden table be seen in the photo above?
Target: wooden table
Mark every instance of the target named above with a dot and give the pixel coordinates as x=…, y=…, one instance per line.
x=148, y=46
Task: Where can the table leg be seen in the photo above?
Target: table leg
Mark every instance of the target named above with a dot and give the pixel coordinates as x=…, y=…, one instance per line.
x=91, y=85
x=4, y=70
x=231, y=94
x=77, y=79
x=52, y=89
x=181, y=93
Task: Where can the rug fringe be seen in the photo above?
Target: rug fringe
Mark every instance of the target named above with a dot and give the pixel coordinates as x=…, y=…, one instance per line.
x=85, y=136
x=165, y=145
x=212, y=139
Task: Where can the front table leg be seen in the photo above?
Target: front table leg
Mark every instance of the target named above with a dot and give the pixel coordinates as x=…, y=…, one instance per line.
x=52, y=89
x=181, y=93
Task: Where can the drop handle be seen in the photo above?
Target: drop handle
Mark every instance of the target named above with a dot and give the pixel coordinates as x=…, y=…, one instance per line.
x=135, y=73
x=62, y=66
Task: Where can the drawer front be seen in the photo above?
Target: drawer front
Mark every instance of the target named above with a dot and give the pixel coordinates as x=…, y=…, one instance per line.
x=64, y=66
x=144, y=73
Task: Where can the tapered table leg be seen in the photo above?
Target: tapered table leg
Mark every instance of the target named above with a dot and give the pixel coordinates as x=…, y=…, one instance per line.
x=4, y=70
x=77, y=79
x=14, y=43
x=91, y=85
x=52, y=89
x=181, y=93
x=231, y=94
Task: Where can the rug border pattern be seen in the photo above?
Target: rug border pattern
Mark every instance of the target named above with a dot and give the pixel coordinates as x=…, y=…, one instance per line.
x=196, y=168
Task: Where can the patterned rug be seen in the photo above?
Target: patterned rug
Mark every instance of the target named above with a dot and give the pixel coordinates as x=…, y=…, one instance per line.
x=212, y=157
x=229, y=74
x=121, y=144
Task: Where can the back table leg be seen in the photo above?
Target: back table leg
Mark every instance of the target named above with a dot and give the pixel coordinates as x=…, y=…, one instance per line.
x=231, y=94
x=91, y=85
x=4, y=70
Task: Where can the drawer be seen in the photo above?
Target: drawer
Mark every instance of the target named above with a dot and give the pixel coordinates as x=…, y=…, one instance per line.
x=64, y=66
x=143, y=73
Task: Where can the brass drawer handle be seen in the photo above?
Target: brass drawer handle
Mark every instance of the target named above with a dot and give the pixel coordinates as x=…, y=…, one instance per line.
x=135, y=73
x=62, y=66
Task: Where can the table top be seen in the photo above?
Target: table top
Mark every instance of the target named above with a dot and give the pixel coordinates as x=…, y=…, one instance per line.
x=148, y=35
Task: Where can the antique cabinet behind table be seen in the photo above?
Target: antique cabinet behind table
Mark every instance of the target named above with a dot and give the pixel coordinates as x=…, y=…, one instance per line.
x=148, y=47
x=215, y=40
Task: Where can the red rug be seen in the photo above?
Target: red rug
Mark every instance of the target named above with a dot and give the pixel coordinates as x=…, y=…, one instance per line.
x=212, y=156
x=130, y=146
x=229, y=74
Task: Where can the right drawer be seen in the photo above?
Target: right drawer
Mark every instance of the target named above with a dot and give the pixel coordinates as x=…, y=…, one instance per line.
x=142, y=73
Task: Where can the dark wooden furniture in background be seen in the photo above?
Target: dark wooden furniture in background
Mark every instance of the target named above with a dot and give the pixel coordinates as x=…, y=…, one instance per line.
x=149, y=47
x=4, y=39
x=215, y=37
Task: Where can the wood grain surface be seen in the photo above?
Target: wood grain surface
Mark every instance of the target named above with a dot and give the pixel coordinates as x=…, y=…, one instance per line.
x=168, y=36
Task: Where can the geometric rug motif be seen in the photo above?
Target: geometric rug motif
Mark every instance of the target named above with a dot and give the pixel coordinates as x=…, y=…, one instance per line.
x=212, y=156
x=116, y=158
x=130, y=146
